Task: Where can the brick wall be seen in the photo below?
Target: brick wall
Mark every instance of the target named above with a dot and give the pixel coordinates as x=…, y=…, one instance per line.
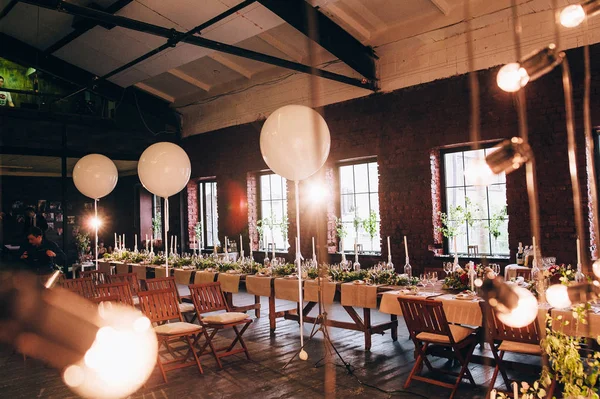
x=402, y=129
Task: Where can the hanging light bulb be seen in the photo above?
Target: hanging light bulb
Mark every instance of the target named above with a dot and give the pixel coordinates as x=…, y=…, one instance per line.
x=508, y=156
x=512, y=77
x=596, y=268
x=573, y=15
x=562, y=296
x=516, y=306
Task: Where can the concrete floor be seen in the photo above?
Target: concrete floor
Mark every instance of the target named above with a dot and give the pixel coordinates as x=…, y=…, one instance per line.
x=386, y=366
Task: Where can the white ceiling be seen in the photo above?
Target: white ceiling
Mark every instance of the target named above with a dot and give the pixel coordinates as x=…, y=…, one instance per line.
x=189, y=72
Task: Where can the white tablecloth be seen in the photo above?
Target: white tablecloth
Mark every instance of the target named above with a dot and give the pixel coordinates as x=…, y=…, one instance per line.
x=510, y=271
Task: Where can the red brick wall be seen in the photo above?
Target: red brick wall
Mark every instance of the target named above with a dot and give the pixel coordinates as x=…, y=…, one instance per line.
x=402, y=129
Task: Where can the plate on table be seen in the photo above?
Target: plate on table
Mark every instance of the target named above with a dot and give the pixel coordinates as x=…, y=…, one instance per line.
x=465, y=297
x=358, y=282
x=409, y=292
x=291, y=276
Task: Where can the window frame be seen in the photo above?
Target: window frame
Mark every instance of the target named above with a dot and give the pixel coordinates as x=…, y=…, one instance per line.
x=444, y=200
x=259, y=214
x=201, y=184
x=353, y=162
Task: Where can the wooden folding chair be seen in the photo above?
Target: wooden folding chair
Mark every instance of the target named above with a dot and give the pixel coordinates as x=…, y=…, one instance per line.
x=107, y=298
x=161, y=307
x=187, y=309
x=82, y=286
x=502, y=338
x=121, y=290
x=209, y=298
x=427, y=325
x=96, y=275
x=132, y=280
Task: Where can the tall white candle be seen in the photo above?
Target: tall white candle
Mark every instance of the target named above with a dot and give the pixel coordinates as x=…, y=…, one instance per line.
x=535, y=251
x=171, y=242
x=241, y=248
x=123, y=241
x=356, y=250
x=175, y=246
x=389, y=247
x=116, y=242
x=135, y=243
x=405, y=247
x=493, y=394
x=194, y=243
x=146, y=242
x=250, y=245
x=226, y=245
x=578, y=253
x=313, y=247
x=152, y=245
x=515, y=390
x=273, y=242
x=342, y=250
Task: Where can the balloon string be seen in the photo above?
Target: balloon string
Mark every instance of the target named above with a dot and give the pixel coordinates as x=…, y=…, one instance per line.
x=299, y=265
x=166, y=213
x=96, y=229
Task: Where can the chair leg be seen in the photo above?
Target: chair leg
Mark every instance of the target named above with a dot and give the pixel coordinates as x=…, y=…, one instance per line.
x=418, y=365
x=189, y=341
x=500, y=366
x=464, y=370
x=242, y=342
x=160, y=366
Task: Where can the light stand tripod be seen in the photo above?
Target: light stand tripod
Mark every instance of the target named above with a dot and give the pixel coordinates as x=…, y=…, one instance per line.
x=320, y=325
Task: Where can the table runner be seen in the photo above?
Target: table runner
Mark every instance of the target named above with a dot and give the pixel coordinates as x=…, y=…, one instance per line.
x=122, y=268
x=359, y=295
x=257, y=285
x=105, y=267
x=183, y=276
x=160, y=272
x=311, y=291
x=203, y=277
x=287, y=289
x=229, y=282
x=139, y=270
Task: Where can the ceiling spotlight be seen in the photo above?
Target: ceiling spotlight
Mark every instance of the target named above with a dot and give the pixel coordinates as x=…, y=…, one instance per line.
x=509, y=156
x=560, y=296
x=516, y=306
x=573, y=15
x=95, y=222
x=512, y=77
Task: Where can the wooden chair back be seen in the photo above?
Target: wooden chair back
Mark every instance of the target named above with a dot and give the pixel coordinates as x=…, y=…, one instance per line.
x=122, y=290
x=425, y=316
x=130, y=278
x=160, y=306
x=82, y=286
x=525, y=273
x=208, y=297
x=161, y=283
x=107, y=298
x=496, y=330
x=96, y=275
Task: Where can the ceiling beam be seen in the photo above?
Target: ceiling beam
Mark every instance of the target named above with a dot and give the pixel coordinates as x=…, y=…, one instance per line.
x=140, y=26
x=231, y=64
x=287, y=49
x=442, y=6
x=358, y=7
x=189, y=79
x=330, y=36
x=353, y=23
x=8, y=8
x=83, y=26
x=155, y=92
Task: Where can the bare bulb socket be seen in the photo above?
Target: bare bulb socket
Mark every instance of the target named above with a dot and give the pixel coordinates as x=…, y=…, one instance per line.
x=591, y=7
x=509, y=156
x=542, y=61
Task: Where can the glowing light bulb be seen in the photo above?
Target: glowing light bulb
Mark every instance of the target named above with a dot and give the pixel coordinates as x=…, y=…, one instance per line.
x=121, y=358
x=479, y=173
x=95, y=222
x=596, y=268
x=317, y=193
x=572, y=16
x=558, y=296
x=524, y=313
x=511, y=77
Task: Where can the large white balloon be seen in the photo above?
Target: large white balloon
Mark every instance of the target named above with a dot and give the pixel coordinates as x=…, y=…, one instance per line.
x=95, y=176
x=164, y=169
x=295, y=142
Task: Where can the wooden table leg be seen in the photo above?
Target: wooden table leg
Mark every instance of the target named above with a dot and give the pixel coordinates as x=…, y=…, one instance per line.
x=367, y=328
x=394, y=328
x=257, y=309
x=272, y=315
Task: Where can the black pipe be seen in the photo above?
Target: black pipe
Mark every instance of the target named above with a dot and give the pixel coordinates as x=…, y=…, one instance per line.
x=173, y=34
x=8, y=8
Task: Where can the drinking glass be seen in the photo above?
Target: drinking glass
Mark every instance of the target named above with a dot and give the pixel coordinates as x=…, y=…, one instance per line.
x=495, y=268
x=433, y=278
x=423, y=280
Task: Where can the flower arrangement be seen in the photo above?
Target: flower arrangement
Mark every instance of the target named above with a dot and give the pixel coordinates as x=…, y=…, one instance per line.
x=459, y=278
x=560, y=274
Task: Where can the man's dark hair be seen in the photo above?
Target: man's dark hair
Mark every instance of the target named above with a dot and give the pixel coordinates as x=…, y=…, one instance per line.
x=29, y=208
x=35, y=231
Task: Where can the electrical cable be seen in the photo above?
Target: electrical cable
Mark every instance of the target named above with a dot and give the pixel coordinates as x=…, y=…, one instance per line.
x=144, y=121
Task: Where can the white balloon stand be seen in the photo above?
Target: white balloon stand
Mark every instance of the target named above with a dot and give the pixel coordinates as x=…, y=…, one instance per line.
x=96, y=222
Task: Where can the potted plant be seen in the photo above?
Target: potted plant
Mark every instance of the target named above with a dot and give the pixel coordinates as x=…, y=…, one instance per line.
x=341, y=231
x=370, y=224
x=82, y=242
x=156, y=225
x=283, y=226
x=198, y=234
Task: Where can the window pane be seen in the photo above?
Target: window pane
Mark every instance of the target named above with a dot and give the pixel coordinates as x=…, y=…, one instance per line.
x=361, y=178
x=362, y=205
x=454, y=198
x=373, y=177
x=453, y=166
x=477, y=197
x=265, y=187
x=347, y=207
x=346, y=180
x=277, y=209
x=266, y=211
x=375, y=204
x=276, y=187
x=471, y=157
x=497, y=198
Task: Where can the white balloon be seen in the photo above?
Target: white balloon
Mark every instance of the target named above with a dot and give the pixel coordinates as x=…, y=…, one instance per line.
x=95, y=176
x=295, y=142
x=164, y=169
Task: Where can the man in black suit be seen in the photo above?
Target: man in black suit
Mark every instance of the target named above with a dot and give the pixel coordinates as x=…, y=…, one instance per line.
x=34, y=220
x=40, y=254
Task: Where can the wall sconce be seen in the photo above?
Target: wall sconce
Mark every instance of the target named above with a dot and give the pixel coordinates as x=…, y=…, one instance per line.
x=512, y=77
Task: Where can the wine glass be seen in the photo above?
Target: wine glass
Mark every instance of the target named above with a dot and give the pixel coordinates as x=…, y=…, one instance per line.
x=495, y=268
x=433, y=278
x=423, y=280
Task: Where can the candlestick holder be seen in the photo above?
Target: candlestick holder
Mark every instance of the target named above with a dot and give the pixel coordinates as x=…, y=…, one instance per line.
x=356, y=265
x=408, y=268
x=390, y=265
